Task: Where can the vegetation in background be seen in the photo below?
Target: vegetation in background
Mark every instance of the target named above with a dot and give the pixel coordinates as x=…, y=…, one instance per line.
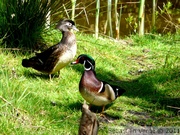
x=22, y=22
x=167, y=13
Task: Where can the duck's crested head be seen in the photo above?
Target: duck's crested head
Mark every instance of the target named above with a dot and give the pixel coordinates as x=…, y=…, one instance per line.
x=66, y=25
x=86, y=60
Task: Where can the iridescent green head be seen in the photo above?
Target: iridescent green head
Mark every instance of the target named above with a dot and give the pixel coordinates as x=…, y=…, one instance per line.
x=86, y=60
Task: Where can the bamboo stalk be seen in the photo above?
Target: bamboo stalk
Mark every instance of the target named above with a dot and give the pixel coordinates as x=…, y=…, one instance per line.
x=105, y=26
x=97, y=18
x=120, y=14
x=141, y=17
x=109, y=17
x=153, y=14
x=73, y=9
x=116, y=20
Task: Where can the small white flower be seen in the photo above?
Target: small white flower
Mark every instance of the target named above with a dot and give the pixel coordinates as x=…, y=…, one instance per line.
x=12, y=15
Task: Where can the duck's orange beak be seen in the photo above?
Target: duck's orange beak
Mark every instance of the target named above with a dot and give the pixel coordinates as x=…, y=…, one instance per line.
x=75, y=62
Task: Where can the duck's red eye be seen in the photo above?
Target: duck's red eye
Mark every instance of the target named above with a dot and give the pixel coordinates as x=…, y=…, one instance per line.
x=81, y=60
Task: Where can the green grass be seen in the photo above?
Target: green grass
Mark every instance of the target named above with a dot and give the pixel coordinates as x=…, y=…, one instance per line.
x=147, y=67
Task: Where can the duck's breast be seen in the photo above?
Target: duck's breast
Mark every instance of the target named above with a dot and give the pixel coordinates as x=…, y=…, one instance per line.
x=90, y=88
x=66, y=57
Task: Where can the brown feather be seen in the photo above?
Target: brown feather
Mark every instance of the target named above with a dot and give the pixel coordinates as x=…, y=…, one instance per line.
x=89, y=123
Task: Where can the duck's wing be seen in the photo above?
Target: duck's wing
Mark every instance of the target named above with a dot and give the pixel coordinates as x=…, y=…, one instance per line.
x=44, y=61
x=44, y=56
x=111, y=91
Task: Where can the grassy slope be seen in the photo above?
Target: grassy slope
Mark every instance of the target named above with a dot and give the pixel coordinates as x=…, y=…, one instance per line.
x=35, y=105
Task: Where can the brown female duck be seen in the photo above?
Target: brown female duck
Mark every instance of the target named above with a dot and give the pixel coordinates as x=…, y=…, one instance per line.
x=58, y=56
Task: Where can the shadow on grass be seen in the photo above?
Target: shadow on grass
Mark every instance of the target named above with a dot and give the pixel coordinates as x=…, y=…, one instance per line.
x=75, y=106
x=36, y=74
x=95, y=109
x=158, y=86
x=152, y=86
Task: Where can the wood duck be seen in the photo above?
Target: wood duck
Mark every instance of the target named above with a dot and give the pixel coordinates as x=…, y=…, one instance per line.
x=58, y=56
x=93, y=90
x=89, y=123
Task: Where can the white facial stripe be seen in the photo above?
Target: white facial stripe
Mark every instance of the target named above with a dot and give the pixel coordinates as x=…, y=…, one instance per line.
x=85, y=67
x=100, y=88
x=90, y=62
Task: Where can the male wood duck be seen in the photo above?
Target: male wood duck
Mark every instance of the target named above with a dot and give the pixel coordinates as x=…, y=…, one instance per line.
x=58, y=56
x=93, y=90
x=89, y=123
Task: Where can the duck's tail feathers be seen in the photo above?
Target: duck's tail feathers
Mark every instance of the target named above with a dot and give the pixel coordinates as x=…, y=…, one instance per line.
x=32, y=62
x=26, y=63
x=120, y=91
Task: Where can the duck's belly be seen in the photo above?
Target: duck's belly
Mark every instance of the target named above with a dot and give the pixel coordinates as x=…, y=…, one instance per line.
x=94, y=99
x=65, y=59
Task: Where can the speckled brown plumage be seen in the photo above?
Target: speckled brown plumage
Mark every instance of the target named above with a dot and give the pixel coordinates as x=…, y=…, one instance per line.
x=89, y=123
x=58, y=56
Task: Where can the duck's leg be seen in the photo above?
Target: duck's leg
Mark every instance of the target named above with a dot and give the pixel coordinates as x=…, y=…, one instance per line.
x=101, y=114
x=104, y=116
x=50, y=77
x=59, y=73
x=103, y=108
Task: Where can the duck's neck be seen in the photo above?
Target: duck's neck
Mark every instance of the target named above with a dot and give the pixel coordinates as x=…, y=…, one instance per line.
x=89, y=77
x=68, y=38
